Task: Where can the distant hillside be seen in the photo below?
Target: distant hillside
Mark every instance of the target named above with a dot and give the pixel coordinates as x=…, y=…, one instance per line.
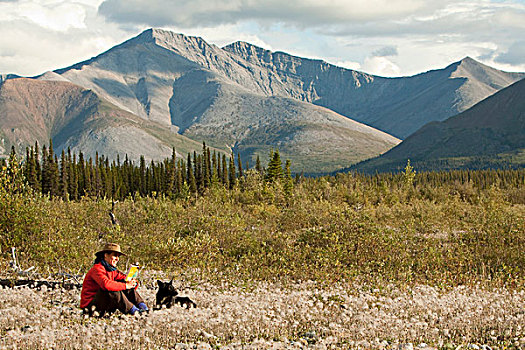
x=37, y=110
x=490, y=134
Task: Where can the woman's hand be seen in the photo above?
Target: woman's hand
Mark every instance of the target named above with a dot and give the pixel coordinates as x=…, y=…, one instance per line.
x=131, y=284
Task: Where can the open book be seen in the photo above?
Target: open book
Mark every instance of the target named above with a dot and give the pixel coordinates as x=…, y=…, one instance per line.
x=133, y=272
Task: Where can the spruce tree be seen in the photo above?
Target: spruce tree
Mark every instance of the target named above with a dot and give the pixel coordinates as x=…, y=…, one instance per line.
x=50, y=175
x=188, y=165
x=64, y=174
x=224, y=177
x=55, y=177
x=81, y=171
x=51, y=152
x=88, y=178
x=171, y=172
x=275, y=171
x=128, y=177
x=31, y=172
x=231, y=172
x=184, y=173
x=198, y=172
x=25, y=167
x=45, y=171
x=239, y=165
x=258, y=166
x=72, y=176
x=97, y=178
x=191, y=178
x=151, y=179
x=52, y=171
x=107, y=183
x=209, y=170
x=215, y=170
x=194, y=164
x=38, y=183
x=116, y=173
x=142, y=177
x=206, y=168
x=179, y=181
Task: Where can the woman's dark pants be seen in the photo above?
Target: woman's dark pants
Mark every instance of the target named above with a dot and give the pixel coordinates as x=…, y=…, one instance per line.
x=108, y=302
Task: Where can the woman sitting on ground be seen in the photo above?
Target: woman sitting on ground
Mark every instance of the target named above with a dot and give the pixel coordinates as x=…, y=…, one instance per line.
x=105, y=289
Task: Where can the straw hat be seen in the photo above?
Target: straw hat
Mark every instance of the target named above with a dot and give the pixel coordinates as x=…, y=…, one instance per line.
x=110, y=247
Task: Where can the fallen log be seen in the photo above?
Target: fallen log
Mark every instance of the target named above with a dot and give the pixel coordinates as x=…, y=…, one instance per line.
x=38, y=284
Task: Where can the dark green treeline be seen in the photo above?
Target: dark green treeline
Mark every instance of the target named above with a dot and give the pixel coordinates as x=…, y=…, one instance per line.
x=481, y=179
x=72, y=177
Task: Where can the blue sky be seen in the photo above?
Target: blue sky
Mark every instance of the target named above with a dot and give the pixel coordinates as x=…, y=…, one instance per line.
x=383, y=37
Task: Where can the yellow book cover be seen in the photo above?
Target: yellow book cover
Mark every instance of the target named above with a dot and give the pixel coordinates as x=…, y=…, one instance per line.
x=133, y=272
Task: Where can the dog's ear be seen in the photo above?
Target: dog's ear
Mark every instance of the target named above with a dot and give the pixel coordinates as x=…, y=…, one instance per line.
x=159, y=283
x=171, y=282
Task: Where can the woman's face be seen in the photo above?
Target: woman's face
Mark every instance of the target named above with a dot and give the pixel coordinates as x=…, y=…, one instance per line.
x=112, y=258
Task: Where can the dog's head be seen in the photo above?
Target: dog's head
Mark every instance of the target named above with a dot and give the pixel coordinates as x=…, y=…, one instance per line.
x=166, y=289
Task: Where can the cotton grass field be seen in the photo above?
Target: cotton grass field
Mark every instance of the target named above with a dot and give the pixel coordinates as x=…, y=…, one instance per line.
x=348, y=262
x=266, y=316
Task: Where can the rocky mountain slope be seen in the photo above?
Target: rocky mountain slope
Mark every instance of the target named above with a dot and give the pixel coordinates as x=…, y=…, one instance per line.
x=313, y=138
x=203, y=92
x=489, y=134
x=398, y=106
x=38, y=110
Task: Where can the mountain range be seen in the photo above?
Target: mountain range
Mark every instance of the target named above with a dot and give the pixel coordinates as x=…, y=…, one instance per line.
x=491, y=134
x=161, y=90
x=398, y=106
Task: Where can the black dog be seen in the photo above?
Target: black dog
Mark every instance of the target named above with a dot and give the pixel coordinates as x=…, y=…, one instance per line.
x=167, y=295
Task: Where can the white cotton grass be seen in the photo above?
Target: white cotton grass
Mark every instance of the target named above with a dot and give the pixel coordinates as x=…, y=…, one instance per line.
x=271, y=316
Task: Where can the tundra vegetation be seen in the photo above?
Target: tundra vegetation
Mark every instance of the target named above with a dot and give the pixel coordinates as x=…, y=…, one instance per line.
x=344, y=261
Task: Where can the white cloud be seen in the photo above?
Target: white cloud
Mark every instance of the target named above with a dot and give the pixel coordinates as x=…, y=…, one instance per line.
x=514, y=55
x=43, y=35
x=349, y=65
x=92, y=3
x=375, y=36
x=30, y=50
x=381, y=66
x=303, y=13
x=447, y=24
x=59, y=16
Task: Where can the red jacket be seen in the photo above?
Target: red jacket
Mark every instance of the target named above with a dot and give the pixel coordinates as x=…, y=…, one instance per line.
x=99, y=278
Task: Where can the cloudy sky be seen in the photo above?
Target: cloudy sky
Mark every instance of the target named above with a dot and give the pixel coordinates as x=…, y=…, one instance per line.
x=383, y=37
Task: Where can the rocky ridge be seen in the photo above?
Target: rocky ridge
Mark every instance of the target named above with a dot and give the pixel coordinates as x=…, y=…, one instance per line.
x=398, y=106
